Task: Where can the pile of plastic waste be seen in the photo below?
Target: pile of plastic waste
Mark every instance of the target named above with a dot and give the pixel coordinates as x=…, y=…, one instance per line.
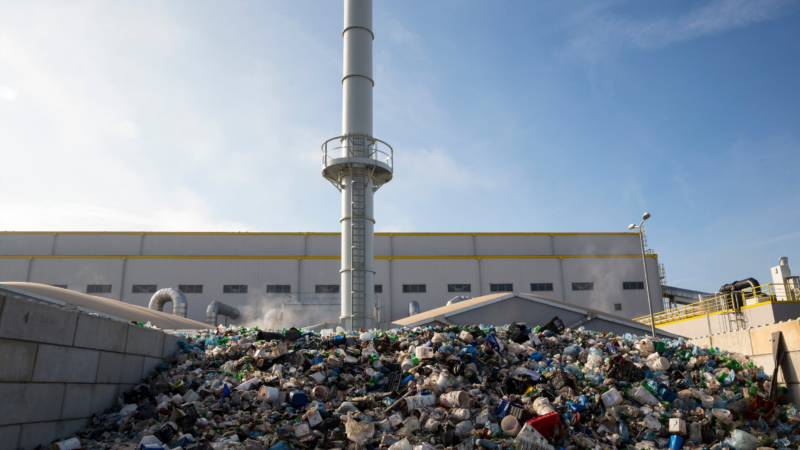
x=470, y=387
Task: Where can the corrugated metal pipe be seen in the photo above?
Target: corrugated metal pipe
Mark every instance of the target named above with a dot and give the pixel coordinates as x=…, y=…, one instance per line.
x=160, y=298
x=219, y=309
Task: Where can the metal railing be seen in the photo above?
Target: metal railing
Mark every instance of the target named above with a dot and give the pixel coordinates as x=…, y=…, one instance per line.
x=719, y=303
x=353, y=144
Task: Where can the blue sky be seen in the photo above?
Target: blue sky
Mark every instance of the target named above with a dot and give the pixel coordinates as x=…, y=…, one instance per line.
x=504, y=116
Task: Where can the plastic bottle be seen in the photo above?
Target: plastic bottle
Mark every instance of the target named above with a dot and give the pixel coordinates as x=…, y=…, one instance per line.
x=623, y=431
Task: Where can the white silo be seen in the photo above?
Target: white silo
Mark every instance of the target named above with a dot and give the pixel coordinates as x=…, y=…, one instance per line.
x=357, y=164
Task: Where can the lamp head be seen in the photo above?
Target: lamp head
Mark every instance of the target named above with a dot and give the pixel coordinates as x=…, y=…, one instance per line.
x=645, y=216
x=631, y=226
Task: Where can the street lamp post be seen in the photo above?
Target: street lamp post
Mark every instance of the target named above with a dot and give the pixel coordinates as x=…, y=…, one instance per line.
x=645, y=216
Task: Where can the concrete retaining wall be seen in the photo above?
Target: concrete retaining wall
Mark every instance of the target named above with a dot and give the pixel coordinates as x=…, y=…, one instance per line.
x=752, y=316
x=58, y=367
x=757, y=344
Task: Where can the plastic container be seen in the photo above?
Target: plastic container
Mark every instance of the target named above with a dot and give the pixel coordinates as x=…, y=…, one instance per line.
x=676, y=442
x=751, y=413
x=707, y=401
x=612, y=397
x=677, y=426
x=548, y=425
x=298, y=398
x=419, y=401
x=268, y=394
x=695, y=432
x=455, y=399
x=320, y=393
x=424, y=352
x=542, y=406
x=463, y=428
x=724, y=416
x=644, y=397
x=460, y=414
x=652, y=423
x=510, y=426
x=742, y=440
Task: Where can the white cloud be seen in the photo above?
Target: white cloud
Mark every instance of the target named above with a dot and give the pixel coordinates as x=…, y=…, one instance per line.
x=8, y=94
x=604, y=34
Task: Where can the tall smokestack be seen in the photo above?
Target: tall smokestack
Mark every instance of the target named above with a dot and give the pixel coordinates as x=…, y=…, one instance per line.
x=357, y=164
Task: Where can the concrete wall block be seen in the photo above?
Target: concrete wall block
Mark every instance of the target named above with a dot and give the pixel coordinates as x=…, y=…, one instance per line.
x=100, y=333
x=737, y=342
x=132, y=368
x=762, y=336
x=33, y=402
x=29, y=321
x=9, y=437
x=65, y=364
x=77, y=401
x=768, y=363
x=83, y=400
x=16, y=360
x=104, y=396
x=703, y=342
x=170, y=346
x=109, y=368
x=44, y=433
x=149, y=365
x=143, y=341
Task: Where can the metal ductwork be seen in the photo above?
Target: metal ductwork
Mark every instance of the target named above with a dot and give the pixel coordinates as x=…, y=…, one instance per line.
x=163, y=296
x=413, y=308
x=458, y=298
x=735, y=288
x=219, y=309
x=739, y=285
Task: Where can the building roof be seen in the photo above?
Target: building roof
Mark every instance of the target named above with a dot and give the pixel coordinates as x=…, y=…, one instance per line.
x=113, y=308
x=442, y=314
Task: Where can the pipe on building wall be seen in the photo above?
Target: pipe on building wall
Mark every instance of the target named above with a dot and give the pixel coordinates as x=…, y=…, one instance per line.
x=163, y=296
x=219, y=309
x=413, y=308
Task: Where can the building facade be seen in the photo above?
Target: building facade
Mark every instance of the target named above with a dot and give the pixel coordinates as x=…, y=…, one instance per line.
x=299, y=272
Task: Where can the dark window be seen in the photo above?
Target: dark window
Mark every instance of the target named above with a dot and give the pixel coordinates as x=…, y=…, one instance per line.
x=459, y=288
x=279, y=289
x=582, y=286
x=144, y=289
x=633, y=285
x=62, y=286
x=502, y=287
x=540, y=287
x=234, y=289
x=413, y=288
x=617, y=306
x=98, y=289
x=327, y=289
x=379, y=289
x=191, y=288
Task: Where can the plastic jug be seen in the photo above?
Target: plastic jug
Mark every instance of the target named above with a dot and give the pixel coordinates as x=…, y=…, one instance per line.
x=298, y=398
x=612, y=397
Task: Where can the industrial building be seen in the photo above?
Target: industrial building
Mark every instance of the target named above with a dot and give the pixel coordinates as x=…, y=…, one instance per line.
x=298, y=273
